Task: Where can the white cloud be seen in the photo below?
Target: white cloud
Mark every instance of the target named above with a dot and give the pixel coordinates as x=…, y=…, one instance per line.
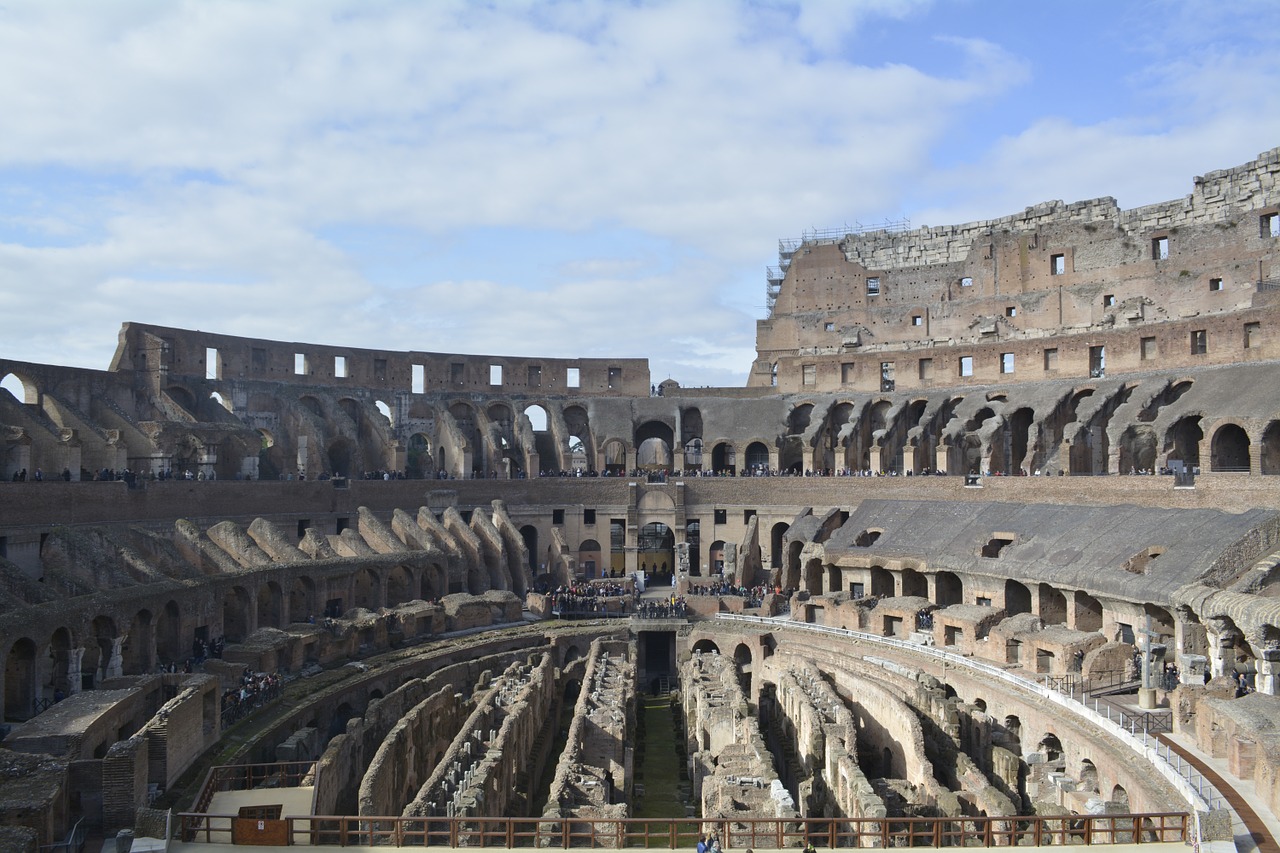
x=221, y=148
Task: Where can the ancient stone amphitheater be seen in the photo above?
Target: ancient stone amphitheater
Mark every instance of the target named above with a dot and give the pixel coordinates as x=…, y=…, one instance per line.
x=984, y=554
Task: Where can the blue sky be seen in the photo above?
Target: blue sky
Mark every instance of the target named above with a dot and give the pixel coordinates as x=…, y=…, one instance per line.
x=564, y=179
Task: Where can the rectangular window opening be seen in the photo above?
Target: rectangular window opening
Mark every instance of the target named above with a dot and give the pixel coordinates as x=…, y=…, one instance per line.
x=917, y=320
x=722, y=516
x=419, y=384
x=1057, y=265
x=967, y=281
x=809, y=374
x=887, y=382
x=1006, y=362
x=747, y=515
x=1215, y=285
x=1051, y=358
x=589, y=516
x=1252, y=335
x=829, y=327
x=495, y=374
x=926, y=369
x=873, y=285
x=1098, y=362
x=966, y=365
x=572, y=379
x=212, y=367
x=557, y=516
x=1160, y=248
x=1199, y=342
x=300, y=366
x=1109, y=300
x=1149, y=349
x=847, y=373
x=1269, y=225
x=340, y=367
x=1011, y=311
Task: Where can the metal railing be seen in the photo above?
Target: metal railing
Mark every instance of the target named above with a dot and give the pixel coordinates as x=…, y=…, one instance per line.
x=677, y=833
x=1198, y=791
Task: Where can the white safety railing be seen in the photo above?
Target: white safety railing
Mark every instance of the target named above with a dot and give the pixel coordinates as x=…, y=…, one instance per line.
x=1199, y=792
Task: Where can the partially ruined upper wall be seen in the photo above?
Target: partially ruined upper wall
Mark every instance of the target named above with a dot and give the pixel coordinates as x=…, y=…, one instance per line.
x=1053, y=271
x=183, y=354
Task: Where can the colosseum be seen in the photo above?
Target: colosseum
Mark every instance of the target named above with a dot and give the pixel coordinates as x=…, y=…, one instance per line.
x=985, y=553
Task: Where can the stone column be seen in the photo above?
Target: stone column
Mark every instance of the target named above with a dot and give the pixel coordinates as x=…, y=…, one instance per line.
x=75, y=681
x=908, y=459
x=115, y=663
x=1268, y=680
x=875, y=458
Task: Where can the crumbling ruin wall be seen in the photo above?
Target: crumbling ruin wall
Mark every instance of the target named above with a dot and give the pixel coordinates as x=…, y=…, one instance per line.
x=591, y=778
x=342, y=768
x=477, y=774
x=411, y=751
x=731, y=767
x=825, y=734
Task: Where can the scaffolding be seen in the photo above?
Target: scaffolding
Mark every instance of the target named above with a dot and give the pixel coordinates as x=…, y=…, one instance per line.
x=787, y=249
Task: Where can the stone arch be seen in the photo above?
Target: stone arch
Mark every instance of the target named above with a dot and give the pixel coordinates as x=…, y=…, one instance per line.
x=1270, y=450
x=706, y=647
x=419, y=460
x=270, y=605
x=813, y=572
x=591, y=558
x=1183, y=440
x=20, y=680
x=1120, y=797
x=948, y=589
x=1137, y=448
x=138, y=651
x=169, y=645
x=914, y=583
x=302, y=598
x=401, y=586
x=757, y=456
x=271, y=462
x=1088, y=612
x=435, y=582
x=1017, y=598
x=723, y=458
x=715, y=557
x=236, y=624
x=1088, y=776
x=882, y=582
x=342, y=457
x=1053, y=605
x=656, y=551
x=529, y=535
x=1051, y=746
x=385, y=411
x=366, y=589
x=312, y=405
x=22, y=388
x=742, y=657
x=614, y=452
x=776, y=534
x=1229, y=448
x=183, y=398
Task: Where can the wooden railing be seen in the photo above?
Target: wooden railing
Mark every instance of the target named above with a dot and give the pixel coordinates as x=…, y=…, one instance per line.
x=672, y=834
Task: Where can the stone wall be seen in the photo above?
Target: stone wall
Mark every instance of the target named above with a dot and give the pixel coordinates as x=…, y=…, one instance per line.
x=592, y=777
